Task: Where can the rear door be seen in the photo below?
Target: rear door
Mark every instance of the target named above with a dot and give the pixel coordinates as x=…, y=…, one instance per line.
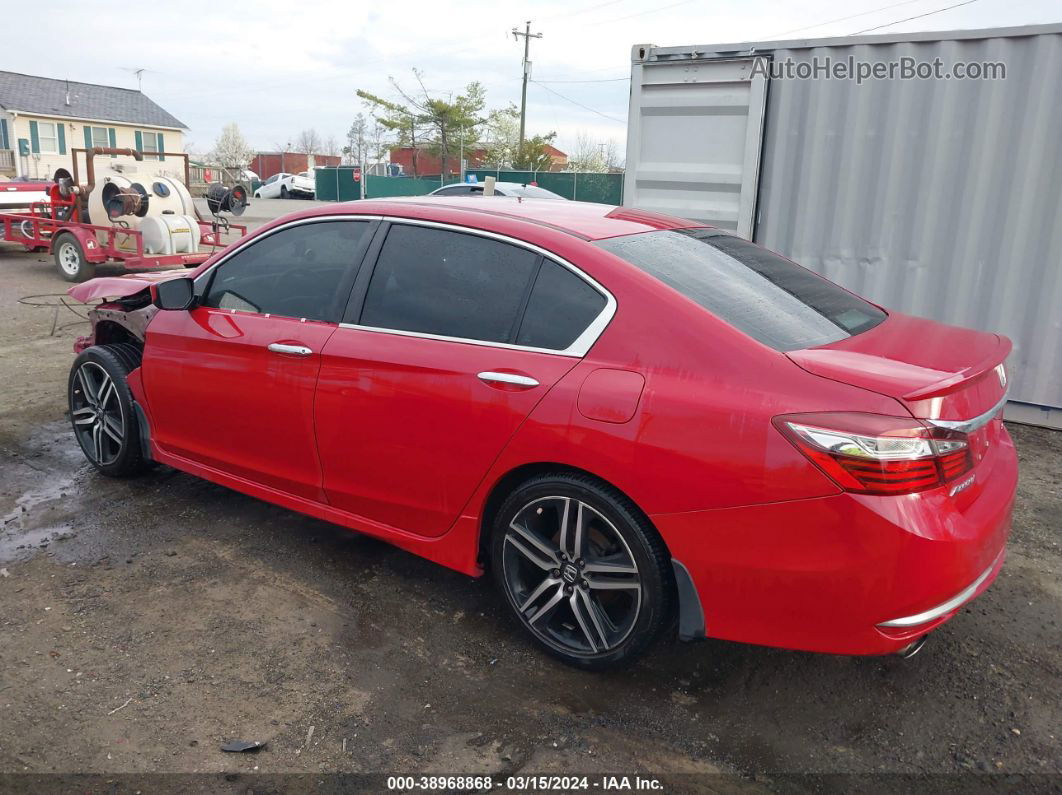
x=449, y=344
x=695, y=134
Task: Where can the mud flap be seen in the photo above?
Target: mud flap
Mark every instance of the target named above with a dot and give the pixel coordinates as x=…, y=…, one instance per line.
x=145, y=433
x=691, y=613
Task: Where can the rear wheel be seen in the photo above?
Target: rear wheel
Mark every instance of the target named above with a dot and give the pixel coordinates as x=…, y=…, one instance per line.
x=101, y=409
x=70, y=259
x=284, y=192
x=582, y=569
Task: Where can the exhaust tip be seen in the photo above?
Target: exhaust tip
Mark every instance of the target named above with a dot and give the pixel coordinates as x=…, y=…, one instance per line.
x=911, y=649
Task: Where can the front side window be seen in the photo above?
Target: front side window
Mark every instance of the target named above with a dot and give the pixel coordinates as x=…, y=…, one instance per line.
x=47, y=137
x=450, y=284
x=296, y=272
x=760, y=293
x=456, y=190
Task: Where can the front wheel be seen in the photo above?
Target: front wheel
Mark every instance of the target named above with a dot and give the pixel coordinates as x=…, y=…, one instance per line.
x=101, y=409
x=70, y=259
x=582, y=569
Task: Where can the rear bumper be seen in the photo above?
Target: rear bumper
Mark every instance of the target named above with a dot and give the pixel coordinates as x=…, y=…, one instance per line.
x=848, y=573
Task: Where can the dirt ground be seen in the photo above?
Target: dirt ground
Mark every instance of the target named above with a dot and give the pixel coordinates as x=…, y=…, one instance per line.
x=144, y=622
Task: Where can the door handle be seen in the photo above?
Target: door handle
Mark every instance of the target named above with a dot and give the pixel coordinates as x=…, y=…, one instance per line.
x=507, y=378
x=294, y=350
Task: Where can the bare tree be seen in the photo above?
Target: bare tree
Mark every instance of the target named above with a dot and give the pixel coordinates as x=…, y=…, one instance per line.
x=232, y=152
x=308, y=142
x=356, y=149
x=331, y=147
x=588, y=155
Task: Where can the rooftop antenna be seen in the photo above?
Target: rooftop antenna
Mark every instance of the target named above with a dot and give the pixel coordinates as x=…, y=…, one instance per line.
x=138, y=72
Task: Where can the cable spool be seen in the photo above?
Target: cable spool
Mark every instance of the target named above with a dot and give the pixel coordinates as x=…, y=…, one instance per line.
x=226, y=200
x=118, y=201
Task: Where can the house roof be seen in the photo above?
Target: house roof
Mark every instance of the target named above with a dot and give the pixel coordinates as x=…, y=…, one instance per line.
x=46, y=96
x=552, y=150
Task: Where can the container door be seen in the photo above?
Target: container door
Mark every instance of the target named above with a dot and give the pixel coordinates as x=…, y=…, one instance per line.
x=694, y=136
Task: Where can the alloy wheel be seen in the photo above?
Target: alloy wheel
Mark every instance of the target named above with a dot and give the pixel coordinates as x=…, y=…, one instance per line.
x=96, y=409
x=571, y=576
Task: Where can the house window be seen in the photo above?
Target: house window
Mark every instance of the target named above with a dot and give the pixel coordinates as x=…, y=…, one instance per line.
x=150, y=144
x=49, y=141
x=99, y=137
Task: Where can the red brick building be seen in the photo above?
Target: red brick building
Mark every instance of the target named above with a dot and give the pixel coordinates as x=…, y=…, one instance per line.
x=266, y=164
x=431, y=165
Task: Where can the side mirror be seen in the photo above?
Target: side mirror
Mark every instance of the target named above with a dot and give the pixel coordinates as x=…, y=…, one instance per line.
x=173, y=294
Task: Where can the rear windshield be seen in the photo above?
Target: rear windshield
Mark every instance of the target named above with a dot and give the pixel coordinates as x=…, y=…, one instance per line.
x=760, y=293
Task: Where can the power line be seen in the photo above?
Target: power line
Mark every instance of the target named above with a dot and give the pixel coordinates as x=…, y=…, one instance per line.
x=919, y=16
x=580, y=104
x=605, y=80
x=843, y=19
x=645, y=13
x=582, y=10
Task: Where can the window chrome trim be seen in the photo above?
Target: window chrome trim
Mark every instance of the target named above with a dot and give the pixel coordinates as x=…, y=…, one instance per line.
x=966, y=426
x=579, y=347
x=956, y=601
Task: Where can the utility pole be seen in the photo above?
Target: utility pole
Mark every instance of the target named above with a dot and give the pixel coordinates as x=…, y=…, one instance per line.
x=528, y=35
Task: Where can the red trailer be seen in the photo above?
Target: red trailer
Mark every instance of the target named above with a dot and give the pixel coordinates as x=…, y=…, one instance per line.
x=61, y=224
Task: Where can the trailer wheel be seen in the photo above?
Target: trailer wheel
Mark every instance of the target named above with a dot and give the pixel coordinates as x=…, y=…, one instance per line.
x=70, y=259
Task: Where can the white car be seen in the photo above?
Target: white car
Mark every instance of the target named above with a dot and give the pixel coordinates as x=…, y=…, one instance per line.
x=286, y=186
x=500, y=189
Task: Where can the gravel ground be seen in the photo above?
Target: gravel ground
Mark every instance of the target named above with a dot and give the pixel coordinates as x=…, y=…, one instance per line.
x=144, y=622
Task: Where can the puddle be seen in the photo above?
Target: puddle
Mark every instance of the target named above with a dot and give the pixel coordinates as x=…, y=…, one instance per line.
x=36, y=522
x=21, y=545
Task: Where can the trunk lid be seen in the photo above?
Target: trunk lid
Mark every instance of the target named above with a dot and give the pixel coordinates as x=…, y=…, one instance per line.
x=937, y=371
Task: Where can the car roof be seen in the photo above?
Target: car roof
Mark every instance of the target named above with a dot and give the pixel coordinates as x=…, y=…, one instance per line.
x=582, y=219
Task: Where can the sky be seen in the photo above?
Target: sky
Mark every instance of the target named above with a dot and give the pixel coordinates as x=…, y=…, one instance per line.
x=277, y=66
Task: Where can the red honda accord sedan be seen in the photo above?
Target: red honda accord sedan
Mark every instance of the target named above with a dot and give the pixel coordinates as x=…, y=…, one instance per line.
x=631, y=420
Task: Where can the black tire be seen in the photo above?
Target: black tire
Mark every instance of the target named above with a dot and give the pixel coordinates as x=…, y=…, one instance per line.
x=70, y=259
x=111, y=442
x=604, y=615
x=284, y=192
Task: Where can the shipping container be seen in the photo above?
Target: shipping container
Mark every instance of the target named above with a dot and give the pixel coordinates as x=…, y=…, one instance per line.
x=926, y=192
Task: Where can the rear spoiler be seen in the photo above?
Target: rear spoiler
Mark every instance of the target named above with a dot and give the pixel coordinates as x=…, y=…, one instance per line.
x=967, y=374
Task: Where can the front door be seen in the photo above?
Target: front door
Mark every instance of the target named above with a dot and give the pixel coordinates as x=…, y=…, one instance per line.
x=458, y=338
x=230, y=384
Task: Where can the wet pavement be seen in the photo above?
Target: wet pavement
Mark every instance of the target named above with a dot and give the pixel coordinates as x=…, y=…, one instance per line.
x=146, y=621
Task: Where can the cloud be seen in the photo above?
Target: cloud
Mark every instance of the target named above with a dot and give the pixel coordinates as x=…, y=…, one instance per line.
x=277, y=67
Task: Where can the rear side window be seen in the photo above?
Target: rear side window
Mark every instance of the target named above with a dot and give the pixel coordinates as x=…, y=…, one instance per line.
x=560, y=308
x=451, y=284
x=296, y=272
x=758, y=292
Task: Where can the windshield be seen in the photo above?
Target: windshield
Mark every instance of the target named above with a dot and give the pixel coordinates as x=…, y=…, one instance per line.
x=766, y=296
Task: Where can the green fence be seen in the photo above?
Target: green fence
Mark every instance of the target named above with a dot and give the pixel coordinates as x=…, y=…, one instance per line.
x=581, y=186
x=337, y=184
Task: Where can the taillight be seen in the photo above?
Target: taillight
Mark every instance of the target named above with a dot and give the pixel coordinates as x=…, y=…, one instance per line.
x=875, y=454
